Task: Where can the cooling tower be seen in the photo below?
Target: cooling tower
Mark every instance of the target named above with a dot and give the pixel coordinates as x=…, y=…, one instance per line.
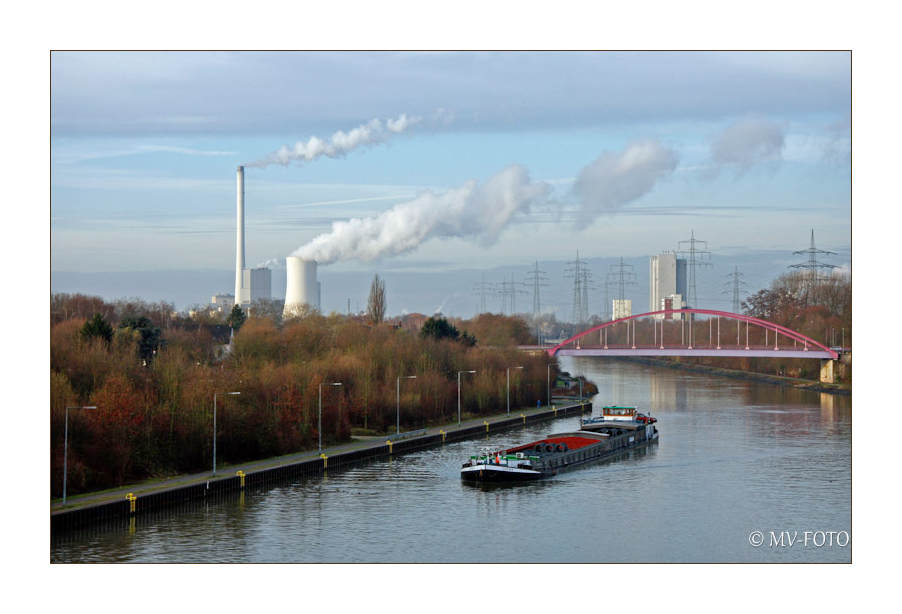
x=239, y=259
x=302, y=286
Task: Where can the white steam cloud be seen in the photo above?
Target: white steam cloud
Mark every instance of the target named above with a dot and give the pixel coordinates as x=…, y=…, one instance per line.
x=341, y=143
x=617, y=179
x=752, y=140
x=272, y=263
x=474, y=212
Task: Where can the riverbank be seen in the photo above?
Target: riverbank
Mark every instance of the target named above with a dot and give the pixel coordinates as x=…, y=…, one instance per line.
x=791, y=382
x=146, y=496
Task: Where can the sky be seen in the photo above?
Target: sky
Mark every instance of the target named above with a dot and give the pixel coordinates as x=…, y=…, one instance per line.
x=441, y=170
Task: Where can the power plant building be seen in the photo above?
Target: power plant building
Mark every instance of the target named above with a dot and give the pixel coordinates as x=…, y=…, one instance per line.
x=222, y=303
x=256, y=284
x=302, y=287
x=667, y=283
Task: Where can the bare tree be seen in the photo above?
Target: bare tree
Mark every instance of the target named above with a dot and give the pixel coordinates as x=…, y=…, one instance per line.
x=376, y=302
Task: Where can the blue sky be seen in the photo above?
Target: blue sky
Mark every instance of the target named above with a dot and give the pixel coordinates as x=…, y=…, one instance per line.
x=618, y=154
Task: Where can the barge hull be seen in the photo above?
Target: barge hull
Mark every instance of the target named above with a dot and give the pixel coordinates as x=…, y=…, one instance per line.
x=486, y=474
x=551, y=465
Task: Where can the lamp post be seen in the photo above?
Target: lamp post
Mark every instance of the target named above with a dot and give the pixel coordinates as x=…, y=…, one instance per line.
x=216, y=394
x=319, y=424
x=509, y=388
x=548, y=383
x=398, y=393
x=66, y=449
x=458, y=395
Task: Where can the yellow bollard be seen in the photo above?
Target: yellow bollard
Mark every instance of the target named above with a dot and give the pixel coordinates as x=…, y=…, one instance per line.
x=240, y=474
x=486, y=426
x=443, y=435
x=388, y=441
x=524, y=418
x=554, y=407
x=131, y=502
x=325, y=461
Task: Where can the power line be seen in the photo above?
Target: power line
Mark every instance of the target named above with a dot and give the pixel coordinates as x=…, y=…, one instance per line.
x=621, y=278
x=813, y=265
x=536, y=278
x=693, y=263
x=736, y=283
x=580, y=302
x=621, y=275
x=510, y=290
x=480, y=289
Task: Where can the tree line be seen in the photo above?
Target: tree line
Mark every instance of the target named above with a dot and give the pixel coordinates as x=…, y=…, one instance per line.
x=152, y=376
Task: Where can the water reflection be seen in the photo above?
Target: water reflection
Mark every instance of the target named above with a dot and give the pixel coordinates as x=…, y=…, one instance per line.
x=734, y=457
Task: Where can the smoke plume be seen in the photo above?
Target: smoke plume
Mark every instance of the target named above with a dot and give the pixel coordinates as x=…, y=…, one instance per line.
x=272, y=263
x=340, y=144
x=750, y=141
x=474, y=212
x=617, y=179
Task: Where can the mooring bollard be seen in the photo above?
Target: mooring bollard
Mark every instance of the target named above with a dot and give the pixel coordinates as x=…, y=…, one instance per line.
x=240, y=474
x=325, y=461
x=388, y=441
x=486, y=426
x=444, y=434
x=554, y=407
x=131, y=502
x=524, y=418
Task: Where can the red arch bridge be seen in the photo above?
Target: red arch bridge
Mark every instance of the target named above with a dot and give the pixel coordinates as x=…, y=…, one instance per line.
x=721, y=334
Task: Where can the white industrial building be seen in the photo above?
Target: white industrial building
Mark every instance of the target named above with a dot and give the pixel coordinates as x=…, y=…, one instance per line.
x=256, y=285
x=623, y=308
x=222, y=303
x=667, y=283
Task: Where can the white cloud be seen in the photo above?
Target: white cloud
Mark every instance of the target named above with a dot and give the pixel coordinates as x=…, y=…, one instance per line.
x=617, y=179
x=748, y=142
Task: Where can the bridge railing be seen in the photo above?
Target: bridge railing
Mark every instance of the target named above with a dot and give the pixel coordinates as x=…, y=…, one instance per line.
x=788, y=334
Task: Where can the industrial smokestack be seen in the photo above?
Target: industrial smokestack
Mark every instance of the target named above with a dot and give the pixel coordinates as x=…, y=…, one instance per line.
x=301, y=287
x=239, y=258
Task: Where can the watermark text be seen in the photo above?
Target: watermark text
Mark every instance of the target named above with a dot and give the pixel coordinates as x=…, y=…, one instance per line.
x=803, y=539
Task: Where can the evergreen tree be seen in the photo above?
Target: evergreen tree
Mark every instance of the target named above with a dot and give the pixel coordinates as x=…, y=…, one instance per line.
x=97, y=327
x=236, y=318
x=149, y=337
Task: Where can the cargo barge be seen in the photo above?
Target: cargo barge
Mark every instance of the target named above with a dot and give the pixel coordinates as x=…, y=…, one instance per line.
x=615, y=417
x=561, y=452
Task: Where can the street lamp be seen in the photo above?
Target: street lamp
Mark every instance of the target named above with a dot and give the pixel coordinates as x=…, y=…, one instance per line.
x=509, y=388
x=548, y=383
x=398, y=391
x=458, y=395
x=66, y=449
x=214, y=427
x=319, y=424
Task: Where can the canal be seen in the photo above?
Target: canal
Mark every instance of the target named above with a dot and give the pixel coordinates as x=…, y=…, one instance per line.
x=743, y=472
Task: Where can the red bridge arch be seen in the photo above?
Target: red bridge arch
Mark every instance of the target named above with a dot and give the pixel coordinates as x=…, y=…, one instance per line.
x=809, y=345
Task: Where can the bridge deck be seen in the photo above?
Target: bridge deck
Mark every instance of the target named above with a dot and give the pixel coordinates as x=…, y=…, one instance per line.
x=703, y=351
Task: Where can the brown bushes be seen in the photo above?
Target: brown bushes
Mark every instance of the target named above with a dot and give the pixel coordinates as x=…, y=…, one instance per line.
x=156, y=419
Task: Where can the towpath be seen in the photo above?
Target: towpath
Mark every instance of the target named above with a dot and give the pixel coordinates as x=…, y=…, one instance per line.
x=151, y=486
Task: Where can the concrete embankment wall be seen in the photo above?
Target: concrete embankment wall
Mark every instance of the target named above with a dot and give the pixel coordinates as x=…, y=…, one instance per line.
x=216, y=487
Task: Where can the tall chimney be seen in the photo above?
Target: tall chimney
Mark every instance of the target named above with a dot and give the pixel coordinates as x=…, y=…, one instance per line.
x=239, y=259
